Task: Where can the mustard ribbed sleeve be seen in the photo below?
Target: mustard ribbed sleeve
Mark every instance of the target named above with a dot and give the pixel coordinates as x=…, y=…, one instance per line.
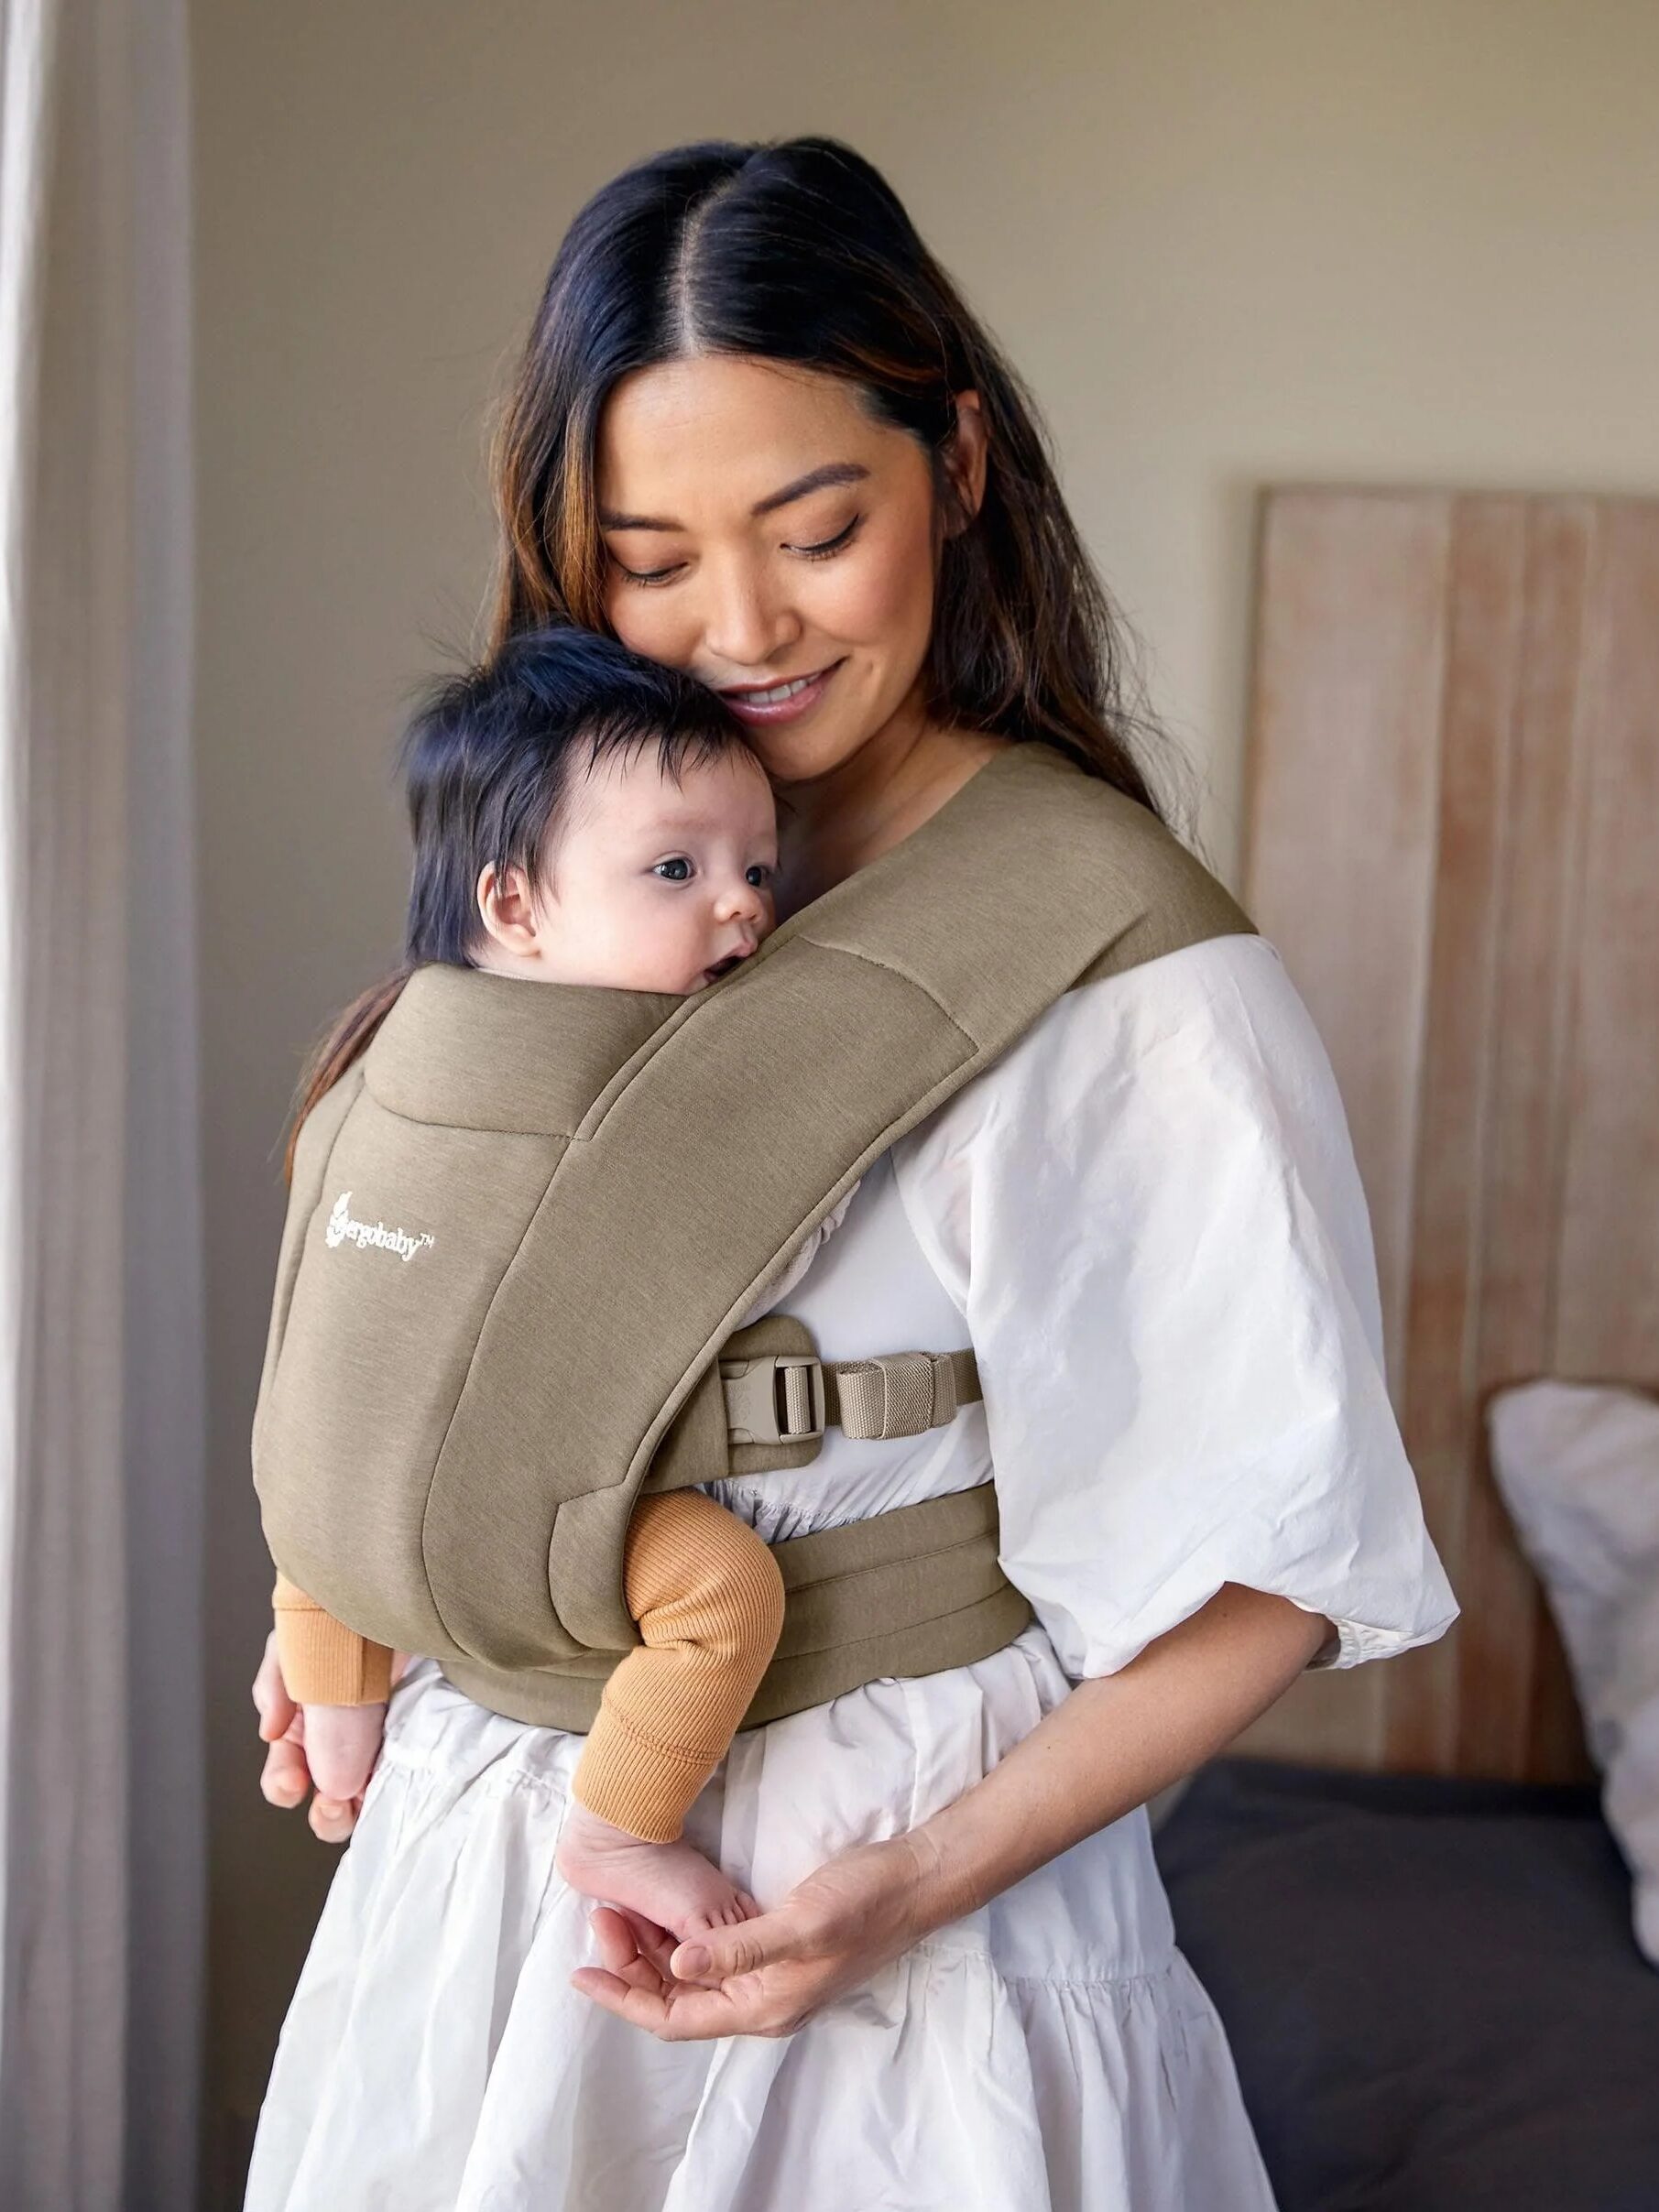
x=323, y=1661
x=708, y=1599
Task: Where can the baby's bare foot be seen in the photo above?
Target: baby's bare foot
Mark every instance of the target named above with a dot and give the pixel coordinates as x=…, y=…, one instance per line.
x=670, y=1883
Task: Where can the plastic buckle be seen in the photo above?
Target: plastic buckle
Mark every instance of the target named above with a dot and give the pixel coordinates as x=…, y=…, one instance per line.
x=775, y=1397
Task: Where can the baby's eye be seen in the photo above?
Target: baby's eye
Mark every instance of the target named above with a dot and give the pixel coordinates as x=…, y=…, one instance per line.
x=678, y=870
x=759, y=875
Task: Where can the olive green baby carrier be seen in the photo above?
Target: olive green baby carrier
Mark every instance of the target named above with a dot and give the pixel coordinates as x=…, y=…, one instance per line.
x=523, y=1228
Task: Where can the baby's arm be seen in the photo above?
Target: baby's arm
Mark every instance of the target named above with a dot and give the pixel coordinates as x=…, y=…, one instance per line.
x=708, y=1599
x=341, y=1680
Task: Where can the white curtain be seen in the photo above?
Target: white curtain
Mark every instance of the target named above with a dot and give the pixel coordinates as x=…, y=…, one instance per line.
x=101, y=1395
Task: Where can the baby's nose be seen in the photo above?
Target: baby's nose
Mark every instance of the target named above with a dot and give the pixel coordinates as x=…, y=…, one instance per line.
x=743, y=902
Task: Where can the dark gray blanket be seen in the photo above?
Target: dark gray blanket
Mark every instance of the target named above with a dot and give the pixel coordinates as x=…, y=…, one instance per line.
x=1431, y=1989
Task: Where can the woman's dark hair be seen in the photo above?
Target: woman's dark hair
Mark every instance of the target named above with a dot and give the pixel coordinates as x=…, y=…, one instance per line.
x=489, y=761
x=800, y=251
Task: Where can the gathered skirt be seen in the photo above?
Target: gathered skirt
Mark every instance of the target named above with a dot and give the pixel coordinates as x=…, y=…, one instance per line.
x=1052, y=2053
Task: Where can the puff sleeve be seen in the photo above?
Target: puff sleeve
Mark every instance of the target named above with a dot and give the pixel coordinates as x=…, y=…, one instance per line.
x=1150, y=1216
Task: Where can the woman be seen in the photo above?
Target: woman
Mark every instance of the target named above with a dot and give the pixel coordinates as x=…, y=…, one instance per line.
x=758, y=436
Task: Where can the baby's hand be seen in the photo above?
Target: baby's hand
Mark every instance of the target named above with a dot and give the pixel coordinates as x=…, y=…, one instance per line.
x=342, y=1743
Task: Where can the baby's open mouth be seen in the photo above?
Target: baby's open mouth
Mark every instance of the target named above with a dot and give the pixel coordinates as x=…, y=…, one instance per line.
x=722, y=967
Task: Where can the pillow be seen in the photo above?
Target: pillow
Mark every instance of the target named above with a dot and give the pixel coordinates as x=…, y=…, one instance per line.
x=1578, y=1469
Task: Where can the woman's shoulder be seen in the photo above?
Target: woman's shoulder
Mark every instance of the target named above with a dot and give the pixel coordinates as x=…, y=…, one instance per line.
x=1200, y=1071
x=1206, y=1014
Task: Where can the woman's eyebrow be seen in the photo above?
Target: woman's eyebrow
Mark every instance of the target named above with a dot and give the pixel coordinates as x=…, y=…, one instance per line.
x=815, y=480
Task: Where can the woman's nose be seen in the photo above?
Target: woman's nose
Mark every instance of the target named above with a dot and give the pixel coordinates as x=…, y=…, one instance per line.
x=744, y=626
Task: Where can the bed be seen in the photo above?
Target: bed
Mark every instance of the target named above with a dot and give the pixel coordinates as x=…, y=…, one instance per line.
x=1430, y=1987
x=1401, y=1889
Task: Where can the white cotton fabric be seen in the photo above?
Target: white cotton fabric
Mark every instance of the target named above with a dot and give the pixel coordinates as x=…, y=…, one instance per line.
x=1147, y=1219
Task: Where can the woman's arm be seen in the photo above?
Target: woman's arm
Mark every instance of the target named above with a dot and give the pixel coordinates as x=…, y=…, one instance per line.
x=1116, y=1741
x=1112, y=1744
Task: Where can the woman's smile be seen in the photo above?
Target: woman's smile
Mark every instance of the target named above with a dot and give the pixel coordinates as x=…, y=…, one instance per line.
x=787, y=700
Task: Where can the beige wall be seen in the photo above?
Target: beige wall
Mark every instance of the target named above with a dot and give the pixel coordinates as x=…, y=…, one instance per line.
x=1228, y=243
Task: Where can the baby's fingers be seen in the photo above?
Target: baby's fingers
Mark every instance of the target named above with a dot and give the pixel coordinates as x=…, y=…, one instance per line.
x=331, y=1822
x=342, y=1743
x=285, y=1777
x=276, y=1708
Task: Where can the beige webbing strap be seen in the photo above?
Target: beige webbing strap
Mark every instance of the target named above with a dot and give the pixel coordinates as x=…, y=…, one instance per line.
x=898, y=1393
x=792, y=1396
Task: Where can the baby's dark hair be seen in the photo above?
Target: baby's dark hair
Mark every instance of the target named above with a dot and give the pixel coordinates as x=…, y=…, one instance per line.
x=489, y=762
x=490, y=759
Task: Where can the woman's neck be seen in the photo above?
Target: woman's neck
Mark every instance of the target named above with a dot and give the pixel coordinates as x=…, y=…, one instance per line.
x=840, y=821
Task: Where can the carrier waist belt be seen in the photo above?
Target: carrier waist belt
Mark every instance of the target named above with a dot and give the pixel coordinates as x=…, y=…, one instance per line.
x=908, y=1592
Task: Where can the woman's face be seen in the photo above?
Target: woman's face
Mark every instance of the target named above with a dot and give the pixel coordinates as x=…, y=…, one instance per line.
x=769, y=536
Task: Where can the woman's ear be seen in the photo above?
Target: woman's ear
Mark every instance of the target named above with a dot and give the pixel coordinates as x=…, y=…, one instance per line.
x=964, y=460
x=506, y=907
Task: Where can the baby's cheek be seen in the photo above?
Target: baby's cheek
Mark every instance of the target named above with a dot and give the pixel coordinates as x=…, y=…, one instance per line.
x=652, y=946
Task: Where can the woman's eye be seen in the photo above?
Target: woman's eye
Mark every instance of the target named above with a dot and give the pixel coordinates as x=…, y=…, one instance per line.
x=673, y=871
x=827, y=547
x=649, y=576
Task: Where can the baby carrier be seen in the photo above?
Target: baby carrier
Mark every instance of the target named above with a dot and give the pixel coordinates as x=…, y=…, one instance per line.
x=523, y=1227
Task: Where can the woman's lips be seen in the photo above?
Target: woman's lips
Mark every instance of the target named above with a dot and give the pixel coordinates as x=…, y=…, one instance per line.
x=770, y=703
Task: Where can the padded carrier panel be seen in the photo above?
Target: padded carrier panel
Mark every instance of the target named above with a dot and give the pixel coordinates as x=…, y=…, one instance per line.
x=522, y=1231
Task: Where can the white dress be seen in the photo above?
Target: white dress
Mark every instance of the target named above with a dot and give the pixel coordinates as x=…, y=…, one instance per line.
x=1146, y=1219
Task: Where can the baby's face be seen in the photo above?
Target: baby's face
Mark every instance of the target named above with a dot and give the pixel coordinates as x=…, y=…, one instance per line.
x=658, y=885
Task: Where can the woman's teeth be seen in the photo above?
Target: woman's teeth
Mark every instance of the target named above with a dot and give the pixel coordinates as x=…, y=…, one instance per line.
x=776, y=695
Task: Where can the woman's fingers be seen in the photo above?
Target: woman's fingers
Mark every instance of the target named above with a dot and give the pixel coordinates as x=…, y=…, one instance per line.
x=633, y=1949
x=654, y=1945
x=745, y=1948
x=715, y=1986
x=679, y=2016
x=617, y=1948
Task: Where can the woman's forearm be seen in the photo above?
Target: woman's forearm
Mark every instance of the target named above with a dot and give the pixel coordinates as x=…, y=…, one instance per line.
x=1112, y=1744
x=1106, y=1749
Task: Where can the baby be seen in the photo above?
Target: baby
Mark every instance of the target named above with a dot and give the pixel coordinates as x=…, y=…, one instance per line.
x=583, y=817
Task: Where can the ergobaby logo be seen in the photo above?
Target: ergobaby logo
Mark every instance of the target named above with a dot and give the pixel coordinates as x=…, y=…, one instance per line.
x=367, y=1235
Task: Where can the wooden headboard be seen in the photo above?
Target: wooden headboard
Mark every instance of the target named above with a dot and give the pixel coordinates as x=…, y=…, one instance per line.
x=1453, y=840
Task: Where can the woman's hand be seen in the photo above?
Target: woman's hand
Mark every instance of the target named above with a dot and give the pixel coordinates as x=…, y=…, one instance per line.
x=286, y=1780
x=765, y=1976
x=1113, y=1743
